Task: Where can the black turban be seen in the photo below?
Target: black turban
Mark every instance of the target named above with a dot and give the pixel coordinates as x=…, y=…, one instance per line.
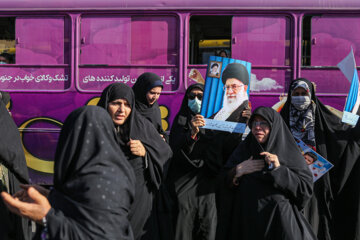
x=236, y=70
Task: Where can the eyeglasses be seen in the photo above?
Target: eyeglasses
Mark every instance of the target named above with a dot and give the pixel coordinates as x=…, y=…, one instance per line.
x=192, y=96
x=233, y=87
x=262, y=124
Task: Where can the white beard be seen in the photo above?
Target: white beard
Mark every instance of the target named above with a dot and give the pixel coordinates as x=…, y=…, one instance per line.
x=231, y=105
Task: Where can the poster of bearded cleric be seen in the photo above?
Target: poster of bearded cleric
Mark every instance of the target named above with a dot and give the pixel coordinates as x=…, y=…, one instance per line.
x=226, y=94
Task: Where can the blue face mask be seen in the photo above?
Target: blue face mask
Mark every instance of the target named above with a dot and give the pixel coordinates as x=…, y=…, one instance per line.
x=194, y=105
x=1, y=62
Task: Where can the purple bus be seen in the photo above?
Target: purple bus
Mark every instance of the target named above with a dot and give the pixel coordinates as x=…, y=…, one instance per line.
x=62, y=54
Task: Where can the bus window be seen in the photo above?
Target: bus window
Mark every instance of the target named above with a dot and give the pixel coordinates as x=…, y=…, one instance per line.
x=209, y=36
x=7, y=40
x=120, y=48
x=262, y=40
x=265, y=42
x=42, y=40
x=326, y=40
x=38, y=47
x=121, y=40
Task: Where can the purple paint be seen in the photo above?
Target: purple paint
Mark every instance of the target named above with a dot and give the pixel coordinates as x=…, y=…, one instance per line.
x=68, y=52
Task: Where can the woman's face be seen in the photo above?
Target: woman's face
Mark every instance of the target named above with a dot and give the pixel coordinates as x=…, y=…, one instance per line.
x=153, y=95
x=300, y=92
x=119, y=110
x=260, y=128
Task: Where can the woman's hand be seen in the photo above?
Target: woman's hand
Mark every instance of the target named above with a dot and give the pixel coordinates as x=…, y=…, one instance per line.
x=24, y=197
x=137, y=148
x=35, y=209
x=248, y=166
x=271, y=159
x=196, y=122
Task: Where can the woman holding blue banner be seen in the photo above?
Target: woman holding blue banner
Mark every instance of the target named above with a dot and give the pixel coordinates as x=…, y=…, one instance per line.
x=310, y=121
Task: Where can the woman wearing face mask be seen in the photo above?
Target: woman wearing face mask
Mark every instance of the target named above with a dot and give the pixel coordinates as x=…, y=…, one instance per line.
x=188, y=181
x=310, y=121
x=268, y=183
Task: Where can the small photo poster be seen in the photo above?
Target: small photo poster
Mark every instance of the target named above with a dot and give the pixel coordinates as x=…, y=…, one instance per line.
x=214, y=69
x=318, y=165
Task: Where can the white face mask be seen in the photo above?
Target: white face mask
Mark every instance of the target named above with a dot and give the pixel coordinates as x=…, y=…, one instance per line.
x=194, y=105
x=300, y=102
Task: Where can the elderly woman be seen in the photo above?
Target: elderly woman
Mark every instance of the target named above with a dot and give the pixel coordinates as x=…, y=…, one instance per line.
x=93, y=184
x=270, y=183
x=143, y=148
x=334, y=211
x=147, y=90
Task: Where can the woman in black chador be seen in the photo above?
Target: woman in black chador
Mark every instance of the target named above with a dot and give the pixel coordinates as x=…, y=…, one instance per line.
x=13, y=171
x=143, y=147
x=268, y=183
x=93, y=184
x=147, y=90
x=333, y=211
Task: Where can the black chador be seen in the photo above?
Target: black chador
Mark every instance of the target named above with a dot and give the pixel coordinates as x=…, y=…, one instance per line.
x=13, y=171
x=193, y=173
x=266, y=204
x=148, y=169
x=93, y=181
x=142, y=86
x=334, y=211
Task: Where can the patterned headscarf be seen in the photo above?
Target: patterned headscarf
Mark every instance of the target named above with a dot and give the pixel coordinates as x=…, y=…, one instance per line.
x=302, y=123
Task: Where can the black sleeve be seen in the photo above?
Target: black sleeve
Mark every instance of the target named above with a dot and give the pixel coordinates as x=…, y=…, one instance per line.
x=61, y=227
x=297, y=185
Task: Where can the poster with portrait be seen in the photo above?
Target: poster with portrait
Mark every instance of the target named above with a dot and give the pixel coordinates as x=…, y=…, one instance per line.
x=318, y=165
x=214, y=69
x=223, y=94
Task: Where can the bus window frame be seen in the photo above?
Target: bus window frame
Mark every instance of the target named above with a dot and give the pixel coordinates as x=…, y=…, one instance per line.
x=179, y=25
x=71, y=48
x=293, y=54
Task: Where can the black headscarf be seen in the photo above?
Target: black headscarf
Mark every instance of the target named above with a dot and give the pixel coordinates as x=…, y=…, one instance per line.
x=182, y=164
x=142, y=86
x=266, y=204
x=339, y=144
x=139, y=129
x=149, y=170
x=93, y=182
x=281, y=143
x=11, y=151
x=5, y=97
x=13, y=158
x=185, y=114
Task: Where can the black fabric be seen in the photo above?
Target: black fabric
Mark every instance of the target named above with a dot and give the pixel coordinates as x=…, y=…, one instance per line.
x=4, y=97
x=11, y=152
x=148, y=169
x=236, y=70
x=339, y=144
x=12, y=157
x=192, y=178
x=142, y=86
x=93, y=182
x=266, y=204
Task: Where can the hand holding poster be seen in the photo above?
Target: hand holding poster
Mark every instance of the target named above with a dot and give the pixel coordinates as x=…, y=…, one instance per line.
x=317, y=164
x=226, y=93
x=348, y=68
